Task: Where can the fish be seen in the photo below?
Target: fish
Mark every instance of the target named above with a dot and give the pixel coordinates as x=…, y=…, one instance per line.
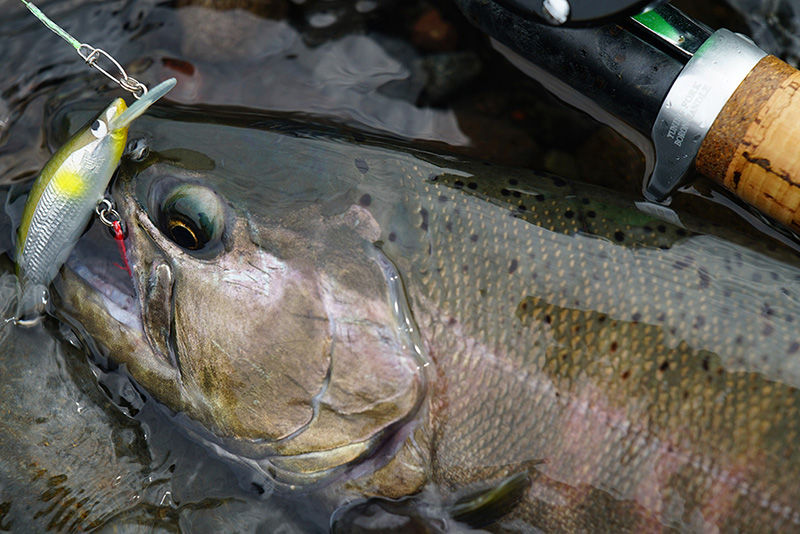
x=69, y=187
x=390, y=331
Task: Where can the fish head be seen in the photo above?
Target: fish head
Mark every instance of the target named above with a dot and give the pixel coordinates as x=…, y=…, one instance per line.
x=283, y=340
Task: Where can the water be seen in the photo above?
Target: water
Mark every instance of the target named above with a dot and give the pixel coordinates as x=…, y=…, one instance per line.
x=82, y=446
x=774, y=25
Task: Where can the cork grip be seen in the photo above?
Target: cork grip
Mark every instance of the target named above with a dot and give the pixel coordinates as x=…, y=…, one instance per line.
x=753, y=146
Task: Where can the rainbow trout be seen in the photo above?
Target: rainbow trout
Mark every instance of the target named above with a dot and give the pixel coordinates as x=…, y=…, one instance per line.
x=445, y=341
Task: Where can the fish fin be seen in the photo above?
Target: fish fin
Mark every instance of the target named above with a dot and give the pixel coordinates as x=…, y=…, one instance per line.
x=489, y=505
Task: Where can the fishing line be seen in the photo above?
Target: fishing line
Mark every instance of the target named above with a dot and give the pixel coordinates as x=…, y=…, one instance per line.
x=91, y=55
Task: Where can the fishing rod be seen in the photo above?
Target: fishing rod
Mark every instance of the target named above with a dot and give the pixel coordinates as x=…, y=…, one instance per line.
x=708, y=100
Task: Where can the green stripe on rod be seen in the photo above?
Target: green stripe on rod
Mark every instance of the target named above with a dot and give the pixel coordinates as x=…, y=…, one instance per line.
x=657, y=24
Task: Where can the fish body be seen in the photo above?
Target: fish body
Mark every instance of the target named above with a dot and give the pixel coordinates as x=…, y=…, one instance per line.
x=490, y=347
x=70, y=186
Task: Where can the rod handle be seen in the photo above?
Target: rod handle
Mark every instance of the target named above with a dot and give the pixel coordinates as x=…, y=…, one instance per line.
x=753, y=146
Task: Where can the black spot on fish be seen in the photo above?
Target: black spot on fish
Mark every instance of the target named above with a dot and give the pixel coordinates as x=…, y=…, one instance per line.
x=636, y=317
x=585, y=201
x=706, y=363
x=661, y=317
x=443, y=198
x=680, y=265
x=739, y=340
x=591, y=214
x=472, y=185
x=619, y=236
x=539, y=197
x=392, y=237
x=766, y=310
x=789, y=319
x=613, y=347
x=512, y=267
x=705, y=278
x=569, y=214
x=365, y=200
x=433, y=177
x=448, y=226
x=647, y=229
x=465, y=268
x=664, y=366
x=548, y=319
x=424, y=214
x=699, y=322
x=558, y=181
x=458, y=184
x=473, y=238
x=362, y=166
x=513, y=181
x=505, y=192
x=774, y=275
x=681, y=232
x=793, y=347
x=661, y=228
x=625, y=374
x=516, y=194
x=521, y=208
x=601, y=319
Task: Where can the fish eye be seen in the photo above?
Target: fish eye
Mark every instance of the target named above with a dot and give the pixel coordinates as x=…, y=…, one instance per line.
x=99, y=128
x=192, y=217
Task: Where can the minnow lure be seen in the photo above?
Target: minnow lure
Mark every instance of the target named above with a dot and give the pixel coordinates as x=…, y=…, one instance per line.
x=70, y=186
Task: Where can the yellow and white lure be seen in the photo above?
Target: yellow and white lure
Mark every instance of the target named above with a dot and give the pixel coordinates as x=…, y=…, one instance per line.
x=69, y=187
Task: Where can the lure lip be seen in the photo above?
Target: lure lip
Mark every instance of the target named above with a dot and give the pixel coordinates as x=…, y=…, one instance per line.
x=142, y=105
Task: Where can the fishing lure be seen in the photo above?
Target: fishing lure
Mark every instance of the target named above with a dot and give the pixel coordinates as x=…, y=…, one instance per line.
x=70, y=186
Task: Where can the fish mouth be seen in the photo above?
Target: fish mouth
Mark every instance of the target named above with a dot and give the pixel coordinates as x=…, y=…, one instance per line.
x=97, y=263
